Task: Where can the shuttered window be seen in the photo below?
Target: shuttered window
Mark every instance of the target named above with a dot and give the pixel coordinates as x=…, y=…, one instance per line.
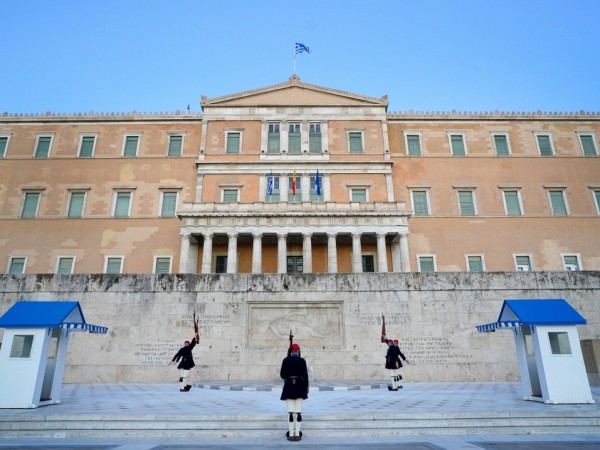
x=162, y=265
x=113, y=265
x=122, y=204
x=43, y=147
x=294, y=138
x=274, y=139
x=358, y=195
x=587, y=143
x=501, y=144
x=175, y=145
x=30, y=205
x=458, y=145
x=65, y=265
x=413, y=142
x=355, y=142
x=76, y=203
x=475, y=263
x=17, y=265
x=513, y=206
x=3, y=145
x=544, y=144
x=131, y=146
x=87, y=147
x=315, y=143
x=233, y=142
x=557, y=201
x=426, y=264
x=230, y=195
x=466, y=203
x=523, y=263
x=420, y=205
x=571, y=263
x=169, y=204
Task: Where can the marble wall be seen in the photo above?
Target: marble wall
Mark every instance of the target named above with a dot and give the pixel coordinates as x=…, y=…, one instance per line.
x=245, y=321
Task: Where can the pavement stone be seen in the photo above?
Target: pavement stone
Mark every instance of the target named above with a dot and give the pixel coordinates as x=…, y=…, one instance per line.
x=223, y=399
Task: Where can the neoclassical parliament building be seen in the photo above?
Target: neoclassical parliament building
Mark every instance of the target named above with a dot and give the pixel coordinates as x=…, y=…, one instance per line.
x=299, y=178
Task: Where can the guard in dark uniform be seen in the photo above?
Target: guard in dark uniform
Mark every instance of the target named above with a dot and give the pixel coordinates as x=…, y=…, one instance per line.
x=186, y=364
x=393, y=362
x=295, y=390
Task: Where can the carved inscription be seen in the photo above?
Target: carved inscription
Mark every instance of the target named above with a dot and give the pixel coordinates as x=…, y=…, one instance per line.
x=157, y=353
x=375, y=319
x=204, y=320
x=432, y=350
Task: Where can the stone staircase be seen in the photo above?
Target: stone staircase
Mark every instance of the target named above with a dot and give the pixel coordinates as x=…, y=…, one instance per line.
x=98, y=426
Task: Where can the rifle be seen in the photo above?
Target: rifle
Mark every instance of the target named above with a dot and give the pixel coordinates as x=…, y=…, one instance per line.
x=196, y=332
x=382, y=328
x=291, y=342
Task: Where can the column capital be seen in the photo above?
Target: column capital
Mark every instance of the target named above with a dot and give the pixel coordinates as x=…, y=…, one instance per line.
x=233, y=234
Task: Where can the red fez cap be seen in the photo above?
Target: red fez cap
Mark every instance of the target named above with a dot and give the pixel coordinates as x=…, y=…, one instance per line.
x=295, y=348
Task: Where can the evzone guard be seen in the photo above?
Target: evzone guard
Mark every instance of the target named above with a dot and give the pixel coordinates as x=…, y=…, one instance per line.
x=187, y=359
x=295, y=388
x=393, y=358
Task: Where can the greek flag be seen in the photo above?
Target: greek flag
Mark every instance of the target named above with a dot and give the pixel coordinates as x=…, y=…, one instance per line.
x=301, y=48
x=270, y=184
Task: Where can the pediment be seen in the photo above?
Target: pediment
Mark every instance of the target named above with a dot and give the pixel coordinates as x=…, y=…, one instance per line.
x=294, y=93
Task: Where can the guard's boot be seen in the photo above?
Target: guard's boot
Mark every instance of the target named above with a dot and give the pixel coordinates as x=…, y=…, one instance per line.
x=298, y=433
x=290, y=433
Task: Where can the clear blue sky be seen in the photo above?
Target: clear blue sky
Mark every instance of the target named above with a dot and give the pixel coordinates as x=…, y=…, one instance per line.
x=426, y=55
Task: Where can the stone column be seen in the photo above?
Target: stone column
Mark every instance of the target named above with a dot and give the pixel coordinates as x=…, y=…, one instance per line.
x=232, y=253
x=396, y=263
x=381, y=253
x=404, y=255
x=332, y=266
x=184, y=253
x=356, y=253
x=257, y=253
x=307, y=252
x=207, y=253
x=281, y=253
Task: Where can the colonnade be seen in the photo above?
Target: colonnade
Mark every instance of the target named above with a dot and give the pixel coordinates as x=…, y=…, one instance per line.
x=190, y=248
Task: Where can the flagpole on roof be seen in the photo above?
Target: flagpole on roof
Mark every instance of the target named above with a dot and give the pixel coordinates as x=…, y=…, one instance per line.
x=295, y=59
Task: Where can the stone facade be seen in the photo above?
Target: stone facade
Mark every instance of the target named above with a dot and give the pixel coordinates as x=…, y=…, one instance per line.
x=245, y=320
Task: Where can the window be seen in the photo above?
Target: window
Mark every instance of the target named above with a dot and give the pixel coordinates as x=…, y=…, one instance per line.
x=420, y=203
x=175, y=145
x=559, y=342
x=413, y=144
x=501, y=144
x=315, y=142
x=571, y=263
x=596, y=193
x=457, y=144
x=3, y=145
x=294, y=138
x=274, y=138
x=358, y=195
x=523, y=263
x=162, y=264
x=544, y=144
x=512, y=203
x=65, y=264
x=368, y=263
x=168, y=204
x=113, y=264
x=355, y=141
x=587, y=144
x=558, y=202
x=21, y=346
x=233, y=142
x=475, y=263
x=86, y=146
x=294, y=264
x=42, y=148
x=130, y=145
x=294, y=188
x=76, y=204
x=122, y=206
x=221, y=264
x=16, y=265
x=273, y=192
x=30, y=205
x=426, y=263
x=230, y=195
x=316, y=189
x=466, y=203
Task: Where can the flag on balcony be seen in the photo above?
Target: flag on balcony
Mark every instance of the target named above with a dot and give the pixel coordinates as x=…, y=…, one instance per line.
x=318, y=184
x=294, y=183
x=270, y=183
